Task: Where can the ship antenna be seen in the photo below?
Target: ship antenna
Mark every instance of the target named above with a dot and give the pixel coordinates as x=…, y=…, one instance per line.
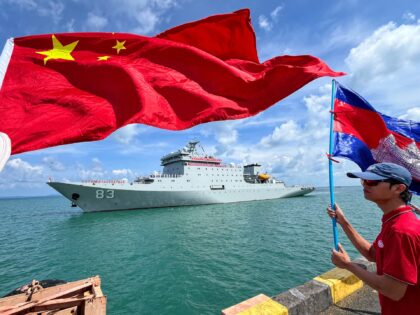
x=204, y=152
x=191, y=146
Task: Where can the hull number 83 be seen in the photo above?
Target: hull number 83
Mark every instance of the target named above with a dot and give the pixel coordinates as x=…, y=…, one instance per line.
x=100, y=194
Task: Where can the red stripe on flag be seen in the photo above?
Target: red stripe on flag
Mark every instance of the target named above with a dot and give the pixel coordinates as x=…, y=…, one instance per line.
x=365, y=125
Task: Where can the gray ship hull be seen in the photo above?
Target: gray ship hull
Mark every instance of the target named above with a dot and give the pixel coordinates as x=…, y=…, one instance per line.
x=110, y=197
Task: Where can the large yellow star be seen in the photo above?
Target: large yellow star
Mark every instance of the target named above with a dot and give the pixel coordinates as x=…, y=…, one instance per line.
x=59, y=51
x=119, y=45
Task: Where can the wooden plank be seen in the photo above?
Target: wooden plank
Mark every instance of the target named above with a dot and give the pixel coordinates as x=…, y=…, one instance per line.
x=21, y=298
x=67, y=311
x=96, y=306
x=74, y=296
x=33, y=303
x=61, y=303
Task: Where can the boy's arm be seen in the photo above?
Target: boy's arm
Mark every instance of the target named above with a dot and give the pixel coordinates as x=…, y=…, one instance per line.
x=384, y=284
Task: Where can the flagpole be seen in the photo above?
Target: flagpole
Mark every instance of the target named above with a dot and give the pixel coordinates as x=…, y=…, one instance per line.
x=332, y=201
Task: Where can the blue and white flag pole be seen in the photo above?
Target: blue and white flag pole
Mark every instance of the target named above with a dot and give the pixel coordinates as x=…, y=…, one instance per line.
x=330, y=161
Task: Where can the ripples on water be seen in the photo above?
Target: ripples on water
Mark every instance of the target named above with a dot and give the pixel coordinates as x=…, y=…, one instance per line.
x=185, y=260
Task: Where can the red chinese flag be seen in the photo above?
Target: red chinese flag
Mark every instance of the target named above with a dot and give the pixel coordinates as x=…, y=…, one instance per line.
x=66, y=88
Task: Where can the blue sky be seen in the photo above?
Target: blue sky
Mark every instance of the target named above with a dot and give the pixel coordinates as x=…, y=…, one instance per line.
x=376, y=42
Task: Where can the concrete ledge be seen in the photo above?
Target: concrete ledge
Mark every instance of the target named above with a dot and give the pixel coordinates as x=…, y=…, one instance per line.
x=342, y=283
x=312, y=297
x=309, y=298
x=260, y=304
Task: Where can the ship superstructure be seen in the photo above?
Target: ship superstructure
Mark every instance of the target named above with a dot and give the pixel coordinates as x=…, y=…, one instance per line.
x=187, y=178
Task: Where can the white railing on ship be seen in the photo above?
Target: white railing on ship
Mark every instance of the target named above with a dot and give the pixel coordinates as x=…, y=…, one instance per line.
x=104, y=181
x=165, y=176
x=212, y=165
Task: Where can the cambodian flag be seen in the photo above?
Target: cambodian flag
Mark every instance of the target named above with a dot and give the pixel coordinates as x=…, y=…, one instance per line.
x=366, y=136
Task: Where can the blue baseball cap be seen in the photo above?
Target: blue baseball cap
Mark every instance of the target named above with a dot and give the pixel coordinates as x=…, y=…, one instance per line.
x=382, y=171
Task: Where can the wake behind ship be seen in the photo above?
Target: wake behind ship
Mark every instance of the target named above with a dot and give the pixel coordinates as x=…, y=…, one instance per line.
x=188, y=178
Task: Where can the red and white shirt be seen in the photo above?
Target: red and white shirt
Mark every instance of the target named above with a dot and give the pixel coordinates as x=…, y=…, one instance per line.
x=398, y=256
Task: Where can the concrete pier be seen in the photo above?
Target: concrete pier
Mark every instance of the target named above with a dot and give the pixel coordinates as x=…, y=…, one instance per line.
x=363, y=302
x=335, y=292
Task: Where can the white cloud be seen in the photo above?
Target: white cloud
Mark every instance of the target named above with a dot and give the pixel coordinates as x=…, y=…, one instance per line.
x=295, y=150
x=22, y=4
x=275, y=13
x=67, y=149
x=257, y=121
x=146, y=19
x=349, y=33
x=127, y=134
x=386, y=65
x=95, y=22
x=225, y=132
x=227, y=135
x=318, y=111
x=97, y=164
x=383, y=54
x=336, y=36
x=70, y=26
x=265, y=23
x=409, y=17
x=21, y=174
x=122, y=172
x=54, y=164
x=45, y=8
x=145, y=15
x=287, y=132
x=24, y=167
x=53, y=9
x=96, y=171
x=412, y=114
x=165, y=4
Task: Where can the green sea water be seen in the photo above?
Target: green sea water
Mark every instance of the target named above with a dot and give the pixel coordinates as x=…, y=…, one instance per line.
x=183, y=260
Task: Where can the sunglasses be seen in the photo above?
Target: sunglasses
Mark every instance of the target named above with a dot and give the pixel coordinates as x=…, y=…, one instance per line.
x=371, y=183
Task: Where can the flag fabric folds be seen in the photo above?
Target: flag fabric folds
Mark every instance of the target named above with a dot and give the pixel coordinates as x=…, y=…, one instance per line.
x=366, y=136
x=64, y=88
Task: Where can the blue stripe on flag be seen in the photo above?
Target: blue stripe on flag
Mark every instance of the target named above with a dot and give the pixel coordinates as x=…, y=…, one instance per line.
x=352, y=98
x=407, y=128
x=353, y=149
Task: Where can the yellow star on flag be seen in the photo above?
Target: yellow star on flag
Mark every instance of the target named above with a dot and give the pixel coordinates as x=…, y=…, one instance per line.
x=59, y=51
x=101, y=58
x=119, y=45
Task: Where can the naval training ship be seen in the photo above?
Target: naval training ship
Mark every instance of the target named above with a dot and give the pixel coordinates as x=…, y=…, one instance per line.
x=188, y=178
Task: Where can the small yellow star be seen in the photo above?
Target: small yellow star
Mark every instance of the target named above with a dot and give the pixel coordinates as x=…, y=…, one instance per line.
x=103, y=58
x=59, y=51
x=119, y=45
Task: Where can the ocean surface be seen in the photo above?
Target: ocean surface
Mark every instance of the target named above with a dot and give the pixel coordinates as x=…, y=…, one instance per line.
x=183, y=260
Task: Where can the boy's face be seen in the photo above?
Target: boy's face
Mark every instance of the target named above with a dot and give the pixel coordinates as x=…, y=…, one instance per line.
x=381, y=191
